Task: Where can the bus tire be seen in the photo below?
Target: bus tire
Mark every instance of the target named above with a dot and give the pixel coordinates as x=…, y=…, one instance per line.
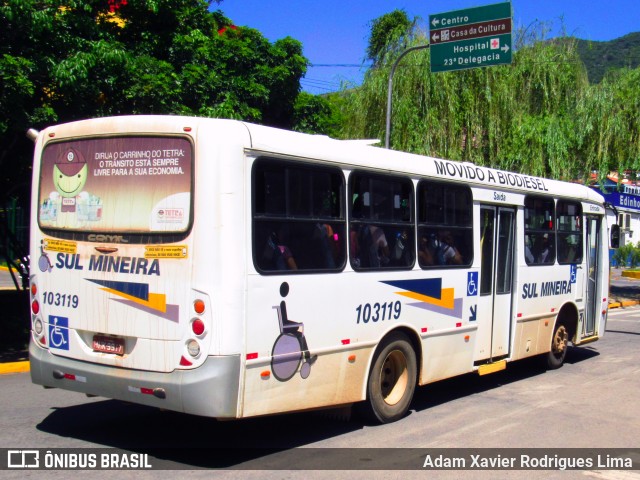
x=559, y=345
x=392, y=380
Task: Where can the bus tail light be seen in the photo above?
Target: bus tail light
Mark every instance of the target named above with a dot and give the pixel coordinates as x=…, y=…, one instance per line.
x=197, y=326
x=199, y=306
x=193, y=348
x=197, y=334
x=37, y=325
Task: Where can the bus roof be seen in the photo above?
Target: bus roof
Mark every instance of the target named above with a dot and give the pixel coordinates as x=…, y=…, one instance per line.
x=352, y=153
x=362, y=154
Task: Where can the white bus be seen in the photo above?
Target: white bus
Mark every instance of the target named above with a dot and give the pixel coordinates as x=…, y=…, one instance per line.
x=230, y=270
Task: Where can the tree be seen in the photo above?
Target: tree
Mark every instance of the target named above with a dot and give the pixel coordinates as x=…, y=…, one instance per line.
x=62, y=60
x=539, y=115
x=317, y=114
x=608, y=122
x=390, y=33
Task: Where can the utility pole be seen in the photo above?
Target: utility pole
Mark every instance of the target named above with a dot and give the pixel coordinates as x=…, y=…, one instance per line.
x=390, y=88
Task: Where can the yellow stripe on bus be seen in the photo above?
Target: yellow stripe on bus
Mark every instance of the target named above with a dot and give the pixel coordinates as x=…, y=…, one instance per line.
x=446, y=299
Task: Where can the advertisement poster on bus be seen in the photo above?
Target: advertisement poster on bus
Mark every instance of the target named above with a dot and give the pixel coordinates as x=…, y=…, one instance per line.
x=132, y=184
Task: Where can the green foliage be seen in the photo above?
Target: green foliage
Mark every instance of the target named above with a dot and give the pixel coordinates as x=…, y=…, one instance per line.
x=539, y=115
x=627, y=256
x=15, y=90
x=608, y=120
x=389, y=33
x=316, y=114
x=599, y=57
x=62, y=60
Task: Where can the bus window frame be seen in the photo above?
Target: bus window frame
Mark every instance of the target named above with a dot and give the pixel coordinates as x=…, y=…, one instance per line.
x=262, y=222
x=567, y=233
x=464, y=233
x=550, y=232
x=396, y=241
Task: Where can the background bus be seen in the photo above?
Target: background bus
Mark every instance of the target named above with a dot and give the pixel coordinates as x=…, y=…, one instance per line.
x=230, y=270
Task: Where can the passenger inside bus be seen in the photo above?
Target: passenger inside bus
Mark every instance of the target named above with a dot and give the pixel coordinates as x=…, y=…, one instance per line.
x=439, y=248
x=425, y=255
x=448, y=252
x=402, y=252
x=568, y=249
x=527, y=250
x=326, y=241
x=543, y=249
x=370, y=248
x=278, y=254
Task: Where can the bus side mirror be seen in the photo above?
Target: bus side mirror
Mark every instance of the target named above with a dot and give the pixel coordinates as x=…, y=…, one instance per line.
x=615, y=236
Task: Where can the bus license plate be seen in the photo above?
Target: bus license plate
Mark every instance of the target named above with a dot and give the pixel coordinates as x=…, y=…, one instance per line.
x=108, y=344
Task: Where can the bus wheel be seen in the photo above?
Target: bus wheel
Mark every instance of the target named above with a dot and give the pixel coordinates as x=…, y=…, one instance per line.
x=392, y=379
x=559, y=345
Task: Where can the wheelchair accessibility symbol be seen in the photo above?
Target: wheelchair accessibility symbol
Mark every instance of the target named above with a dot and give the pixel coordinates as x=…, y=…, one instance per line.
x=59, y=332
x=472, y=284
x=290, y=353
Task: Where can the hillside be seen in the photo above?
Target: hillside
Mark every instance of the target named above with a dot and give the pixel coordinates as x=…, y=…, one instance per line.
x=601, y=56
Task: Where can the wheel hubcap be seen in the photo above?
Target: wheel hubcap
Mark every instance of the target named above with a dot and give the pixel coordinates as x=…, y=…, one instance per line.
x=394, y=377
x=560, y=340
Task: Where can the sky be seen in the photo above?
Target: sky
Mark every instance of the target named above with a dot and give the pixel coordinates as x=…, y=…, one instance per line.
x=334, y=33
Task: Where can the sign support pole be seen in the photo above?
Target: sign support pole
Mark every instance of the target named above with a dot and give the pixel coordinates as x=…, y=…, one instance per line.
x=390, y=89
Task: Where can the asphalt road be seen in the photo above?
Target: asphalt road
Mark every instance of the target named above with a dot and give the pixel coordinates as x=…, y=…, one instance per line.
x=5, y=279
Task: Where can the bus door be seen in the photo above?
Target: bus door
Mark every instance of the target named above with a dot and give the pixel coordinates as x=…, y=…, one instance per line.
x=593, y=254
x=497, y=244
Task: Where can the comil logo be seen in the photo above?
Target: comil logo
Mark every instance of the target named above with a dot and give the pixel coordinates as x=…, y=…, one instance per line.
x=23, y=459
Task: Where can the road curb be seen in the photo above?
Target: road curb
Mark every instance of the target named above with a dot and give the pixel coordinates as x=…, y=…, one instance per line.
x=626, y=303
x=14, y=367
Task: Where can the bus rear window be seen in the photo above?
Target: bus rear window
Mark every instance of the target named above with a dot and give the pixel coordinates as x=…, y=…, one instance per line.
x=136, y=185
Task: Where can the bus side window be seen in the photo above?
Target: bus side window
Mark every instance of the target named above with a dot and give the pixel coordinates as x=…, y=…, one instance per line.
x=569, y=232
x=444, y=225
x=539, y=230
x=298, y=216
x=381, y=229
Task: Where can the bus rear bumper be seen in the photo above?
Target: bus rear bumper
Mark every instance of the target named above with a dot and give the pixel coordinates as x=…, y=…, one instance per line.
x=210, y=390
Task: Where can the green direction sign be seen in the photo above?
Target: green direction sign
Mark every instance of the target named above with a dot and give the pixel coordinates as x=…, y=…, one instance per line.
x=471, y=38
x=474, y=53
x=470, y=15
